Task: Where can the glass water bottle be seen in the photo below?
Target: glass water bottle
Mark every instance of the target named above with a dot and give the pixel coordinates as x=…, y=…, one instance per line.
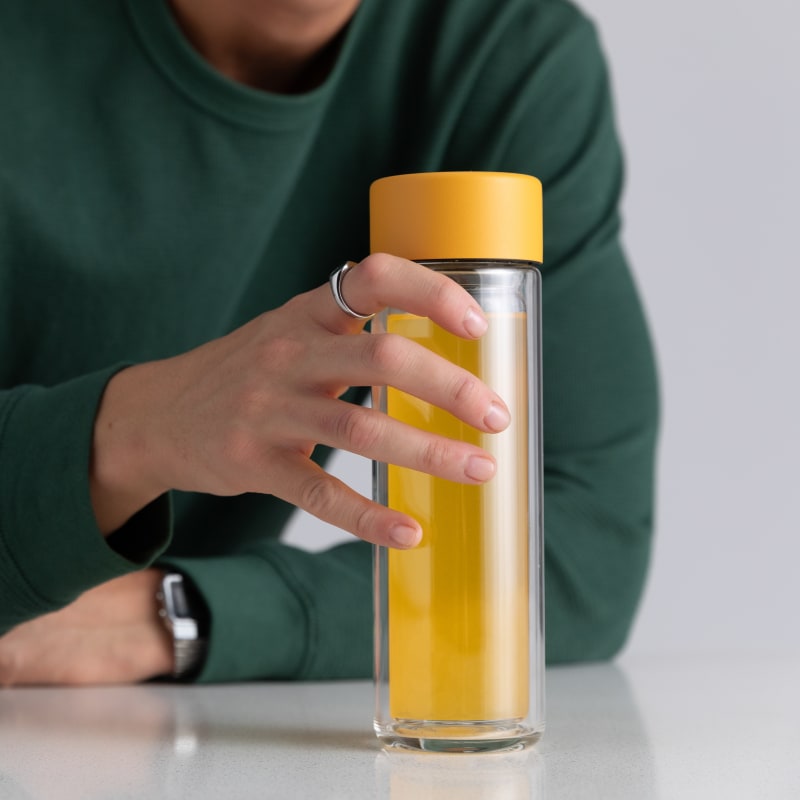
x=459, y=633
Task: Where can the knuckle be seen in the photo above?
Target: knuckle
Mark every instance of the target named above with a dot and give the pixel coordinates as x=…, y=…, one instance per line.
x=249, y=403
x=435, y=456
x=386, y=353
x=318, y=495
x=296, y=307
x=366, y=523
x=465, y=388
x=374, y=268
x=442, y=290
x=359, y=428
x=239, y=448
x=278, y=352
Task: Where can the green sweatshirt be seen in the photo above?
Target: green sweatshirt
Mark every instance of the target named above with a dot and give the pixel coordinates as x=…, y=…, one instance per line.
x=148, y=204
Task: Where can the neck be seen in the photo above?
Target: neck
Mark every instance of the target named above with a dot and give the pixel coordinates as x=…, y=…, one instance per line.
x=283, y=46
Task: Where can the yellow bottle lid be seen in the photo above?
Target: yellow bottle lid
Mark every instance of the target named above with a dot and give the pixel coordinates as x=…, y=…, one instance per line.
x=430, y=216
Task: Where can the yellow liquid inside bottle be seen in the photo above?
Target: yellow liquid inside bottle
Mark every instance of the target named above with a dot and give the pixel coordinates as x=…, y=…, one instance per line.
x=458, y=602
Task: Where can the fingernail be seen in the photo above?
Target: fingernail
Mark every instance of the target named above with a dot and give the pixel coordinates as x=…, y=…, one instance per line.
x=497, y=418
x=404, y=536
x=480, y=468
x=475, y=323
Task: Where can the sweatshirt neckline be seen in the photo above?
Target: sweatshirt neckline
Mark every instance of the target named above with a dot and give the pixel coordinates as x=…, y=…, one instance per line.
x=189, y=73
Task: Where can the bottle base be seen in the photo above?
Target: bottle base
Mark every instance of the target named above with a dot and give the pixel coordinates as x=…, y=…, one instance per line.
x=471, y=736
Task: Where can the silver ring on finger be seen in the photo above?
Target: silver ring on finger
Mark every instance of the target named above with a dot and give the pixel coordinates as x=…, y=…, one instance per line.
x=335, y=280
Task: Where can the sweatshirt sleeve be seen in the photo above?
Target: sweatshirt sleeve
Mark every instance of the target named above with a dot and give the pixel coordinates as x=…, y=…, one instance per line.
x=51, y=549
x=600, y=409
x=599, y=379
x=280, y=612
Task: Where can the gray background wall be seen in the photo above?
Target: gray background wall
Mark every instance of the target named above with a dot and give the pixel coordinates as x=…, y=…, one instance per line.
x=708, y=102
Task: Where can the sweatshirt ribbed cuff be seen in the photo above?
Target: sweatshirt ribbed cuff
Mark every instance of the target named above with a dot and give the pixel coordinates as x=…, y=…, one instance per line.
x=51, y=546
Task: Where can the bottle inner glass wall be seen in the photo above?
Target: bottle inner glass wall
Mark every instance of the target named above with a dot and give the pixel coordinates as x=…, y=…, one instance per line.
x=458, y=603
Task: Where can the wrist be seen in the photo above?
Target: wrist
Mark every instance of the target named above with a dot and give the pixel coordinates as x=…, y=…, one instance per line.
x=121, y=479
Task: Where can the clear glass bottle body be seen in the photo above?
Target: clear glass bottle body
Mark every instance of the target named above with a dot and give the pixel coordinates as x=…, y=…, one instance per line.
x=459, y=620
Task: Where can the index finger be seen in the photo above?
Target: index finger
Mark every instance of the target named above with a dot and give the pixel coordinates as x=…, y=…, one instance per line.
x=382, y=280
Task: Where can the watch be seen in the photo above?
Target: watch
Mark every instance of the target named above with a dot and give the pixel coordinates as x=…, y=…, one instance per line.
x=185, y=617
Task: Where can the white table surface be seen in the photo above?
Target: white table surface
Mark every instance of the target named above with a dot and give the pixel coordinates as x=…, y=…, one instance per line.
x=670, y=728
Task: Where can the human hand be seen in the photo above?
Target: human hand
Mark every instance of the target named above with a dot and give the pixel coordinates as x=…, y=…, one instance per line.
x=110, y=634
x=243, y=413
